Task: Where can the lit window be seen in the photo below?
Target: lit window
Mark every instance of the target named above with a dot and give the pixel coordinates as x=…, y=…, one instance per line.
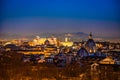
x=90, y=50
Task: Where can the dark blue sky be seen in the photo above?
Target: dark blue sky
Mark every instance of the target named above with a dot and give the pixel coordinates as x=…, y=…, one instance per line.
x=102, y=17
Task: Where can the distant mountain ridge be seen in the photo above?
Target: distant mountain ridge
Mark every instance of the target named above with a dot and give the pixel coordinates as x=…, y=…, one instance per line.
x=74, y=36
x=58, y=35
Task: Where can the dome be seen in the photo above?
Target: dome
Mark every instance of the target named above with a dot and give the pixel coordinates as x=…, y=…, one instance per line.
x=82, y=52
x=47, y=42
x=90, y=44
x=12, y=47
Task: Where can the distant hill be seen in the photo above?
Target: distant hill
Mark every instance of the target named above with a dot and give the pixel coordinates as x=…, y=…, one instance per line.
x=74, y=36
x=61, y=36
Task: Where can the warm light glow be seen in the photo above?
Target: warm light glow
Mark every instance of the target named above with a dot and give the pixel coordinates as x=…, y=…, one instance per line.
x=67, y=43
x=90, y=50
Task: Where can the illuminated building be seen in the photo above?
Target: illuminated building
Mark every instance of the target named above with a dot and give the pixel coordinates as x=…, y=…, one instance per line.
x=40, y=41
x=47, y=42
x=67, y=43
x=90, y=45
x=107, y=60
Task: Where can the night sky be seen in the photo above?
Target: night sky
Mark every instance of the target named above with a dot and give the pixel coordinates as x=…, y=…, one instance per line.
x=101, y=17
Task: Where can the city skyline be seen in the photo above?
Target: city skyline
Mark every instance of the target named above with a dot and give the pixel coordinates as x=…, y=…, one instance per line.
x=32, y=17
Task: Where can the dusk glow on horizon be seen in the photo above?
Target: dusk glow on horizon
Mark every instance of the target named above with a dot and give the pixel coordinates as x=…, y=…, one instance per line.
x=101, y=17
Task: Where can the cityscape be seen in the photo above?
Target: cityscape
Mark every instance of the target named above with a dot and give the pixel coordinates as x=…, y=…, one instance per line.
x=60, y=40
x=97, y=58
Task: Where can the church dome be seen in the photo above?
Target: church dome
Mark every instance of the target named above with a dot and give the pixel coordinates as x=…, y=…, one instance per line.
x=82, y=52
x=90, y=44
x=12, y=47
x=47, y=42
